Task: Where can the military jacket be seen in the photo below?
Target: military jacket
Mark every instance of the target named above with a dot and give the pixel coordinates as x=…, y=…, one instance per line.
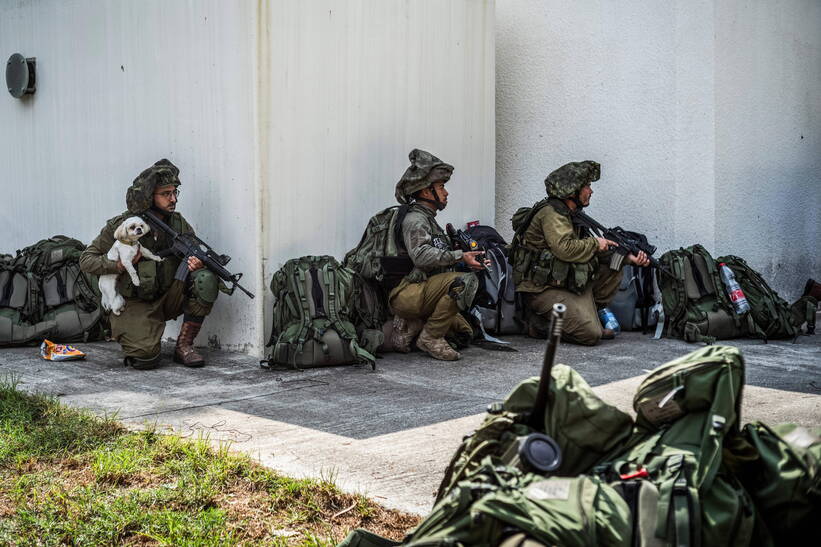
x=427, y=244
x=155, y=277
x=556, y=253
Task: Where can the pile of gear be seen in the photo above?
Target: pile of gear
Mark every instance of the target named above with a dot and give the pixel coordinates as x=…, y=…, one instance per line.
x=556, y=465
x=43, y=294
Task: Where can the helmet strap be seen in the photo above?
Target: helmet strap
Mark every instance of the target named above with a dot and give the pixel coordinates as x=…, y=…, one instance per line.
x=435, y=201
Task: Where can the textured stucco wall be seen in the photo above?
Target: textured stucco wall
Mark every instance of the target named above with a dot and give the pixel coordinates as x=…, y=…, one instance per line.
x=695, y=110
x=768, y=138
x=120, y=85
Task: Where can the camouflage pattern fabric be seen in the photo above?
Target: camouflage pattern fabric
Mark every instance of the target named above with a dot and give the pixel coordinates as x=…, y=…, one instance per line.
x=424, y=170
x=427, y=244
x=140, y=196
x=569, y=178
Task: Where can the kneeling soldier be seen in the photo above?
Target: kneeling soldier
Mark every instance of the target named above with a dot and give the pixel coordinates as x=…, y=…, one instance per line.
x=158, y=298
x=428, y=300
x=555, y=261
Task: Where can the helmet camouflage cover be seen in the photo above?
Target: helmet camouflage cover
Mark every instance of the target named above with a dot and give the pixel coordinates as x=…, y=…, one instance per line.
x=570, y=178
x=424, y=170
x=140, y=195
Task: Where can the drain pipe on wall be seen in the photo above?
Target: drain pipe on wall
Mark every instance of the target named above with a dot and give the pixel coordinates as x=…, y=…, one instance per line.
x=262, y=89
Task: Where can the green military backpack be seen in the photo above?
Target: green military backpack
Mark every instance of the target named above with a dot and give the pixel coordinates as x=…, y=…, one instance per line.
x=784, y=479
x=697, y=308
x=380, y=255
x=771, y=315
x=312, y=316
x=498, y=505
x=43, y=294
x=672, y=471
x=584, y=427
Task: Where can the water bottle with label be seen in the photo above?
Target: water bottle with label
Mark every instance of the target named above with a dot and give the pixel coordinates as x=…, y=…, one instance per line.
x=734, y=291
x=608, y=320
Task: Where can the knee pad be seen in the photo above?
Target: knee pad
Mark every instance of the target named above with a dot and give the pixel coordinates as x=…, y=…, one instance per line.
x=463, y=290
x=205, y=286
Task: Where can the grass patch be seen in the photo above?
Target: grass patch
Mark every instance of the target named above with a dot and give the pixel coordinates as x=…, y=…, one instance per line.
x=68, y=477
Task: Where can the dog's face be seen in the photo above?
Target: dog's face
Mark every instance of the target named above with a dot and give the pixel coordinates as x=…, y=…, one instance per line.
x=131, y=230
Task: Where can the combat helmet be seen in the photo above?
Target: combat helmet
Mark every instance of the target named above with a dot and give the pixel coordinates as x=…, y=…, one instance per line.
x=140, y=195
x=568, y=179
x=424, y=170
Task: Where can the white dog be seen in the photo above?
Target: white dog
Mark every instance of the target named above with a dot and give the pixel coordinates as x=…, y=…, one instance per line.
x=124, y=249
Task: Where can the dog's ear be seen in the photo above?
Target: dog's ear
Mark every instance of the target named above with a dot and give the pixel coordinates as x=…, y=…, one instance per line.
x=121, y=232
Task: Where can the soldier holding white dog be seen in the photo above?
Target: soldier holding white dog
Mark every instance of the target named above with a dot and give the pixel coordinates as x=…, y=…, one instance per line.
x=158, y=297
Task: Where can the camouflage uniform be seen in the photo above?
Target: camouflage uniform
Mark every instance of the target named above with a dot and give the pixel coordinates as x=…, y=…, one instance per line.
x=430, y=297
x=158, y=298
x=588, y=279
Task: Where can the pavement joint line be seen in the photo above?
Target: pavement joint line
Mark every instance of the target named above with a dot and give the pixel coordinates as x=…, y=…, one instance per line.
x=226, y=401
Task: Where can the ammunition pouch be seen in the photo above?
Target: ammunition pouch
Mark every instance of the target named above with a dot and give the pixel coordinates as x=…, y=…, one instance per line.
x=542, y=268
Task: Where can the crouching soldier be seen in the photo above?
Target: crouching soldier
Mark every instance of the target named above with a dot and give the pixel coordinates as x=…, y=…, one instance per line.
x=158, y=298
x=428, y=300
x=555, y=261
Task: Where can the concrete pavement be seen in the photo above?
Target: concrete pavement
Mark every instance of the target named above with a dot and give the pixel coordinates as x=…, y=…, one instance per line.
x=389, y=433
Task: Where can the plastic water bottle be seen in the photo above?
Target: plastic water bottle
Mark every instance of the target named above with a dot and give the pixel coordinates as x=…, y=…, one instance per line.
x=608, y=320
x=734, y=291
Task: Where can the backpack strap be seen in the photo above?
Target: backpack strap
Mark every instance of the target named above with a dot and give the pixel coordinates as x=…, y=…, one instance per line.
x=518, y=234
x=679, y=510
x=401, y=212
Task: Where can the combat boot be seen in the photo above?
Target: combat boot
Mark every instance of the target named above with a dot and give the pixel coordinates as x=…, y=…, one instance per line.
x=404, y=331
x=184, y=351
x=438, y=348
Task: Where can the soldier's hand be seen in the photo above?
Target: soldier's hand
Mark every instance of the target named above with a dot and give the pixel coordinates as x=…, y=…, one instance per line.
x=471, y=259
x=194, y=264
x=640, y=260
x=605, y=244
x=137, y=257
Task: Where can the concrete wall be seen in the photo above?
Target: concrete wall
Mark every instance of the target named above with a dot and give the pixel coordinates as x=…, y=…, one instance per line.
x=290, y=121
x=695, y=109
x=768, y=137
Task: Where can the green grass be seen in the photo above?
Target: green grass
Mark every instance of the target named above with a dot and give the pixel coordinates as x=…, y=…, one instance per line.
x=68, y=477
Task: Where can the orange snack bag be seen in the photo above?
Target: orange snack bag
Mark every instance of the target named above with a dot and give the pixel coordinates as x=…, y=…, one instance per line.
x=59, y=352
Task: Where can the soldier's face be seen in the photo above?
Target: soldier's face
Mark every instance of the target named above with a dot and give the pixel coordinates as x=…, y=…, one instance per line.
x=441, y=192
x=165, y=198
x=584, y=195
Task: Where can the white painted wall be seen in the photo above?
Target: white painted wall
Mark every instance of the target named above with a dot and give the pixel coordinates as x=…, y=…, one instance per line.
x=290, y=121
x=694, y=108
x=351, y=88
x=768, y=137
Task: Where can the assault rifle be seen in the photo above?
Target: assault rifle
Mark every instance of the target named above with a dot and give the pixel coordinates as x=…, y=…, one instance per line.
x=463, y=240
x=629, y=242
x=187, y=245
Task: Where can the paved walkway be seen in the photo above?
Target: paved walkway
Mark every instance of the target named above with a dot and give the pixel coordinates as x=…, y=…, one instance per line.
x=389, y=433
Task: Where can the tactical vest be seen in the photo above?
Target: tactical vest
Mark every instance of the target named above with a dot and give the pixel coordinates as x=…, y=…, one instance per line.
x=155, y=277
x=540, y=266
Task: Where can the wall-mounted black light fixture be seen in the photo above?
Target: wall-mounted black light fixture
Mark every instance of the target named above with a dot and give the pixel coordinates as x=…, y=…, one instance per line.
x=20, y=75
